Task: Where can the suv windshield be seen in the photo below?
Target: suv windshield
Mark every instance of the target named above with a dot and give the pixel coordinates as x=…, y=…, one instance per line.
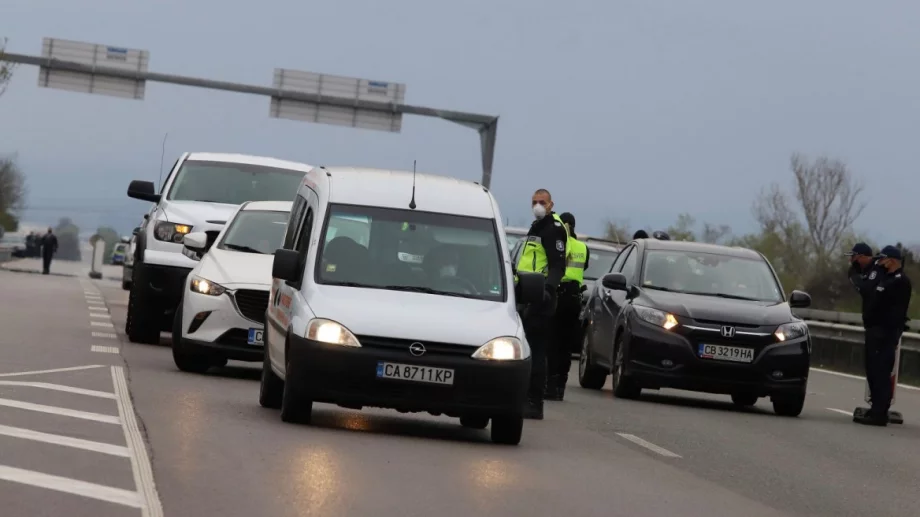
x=710, y=274
x=599, y=263
x=233, y=183
x=255, y=231
x=409, y=250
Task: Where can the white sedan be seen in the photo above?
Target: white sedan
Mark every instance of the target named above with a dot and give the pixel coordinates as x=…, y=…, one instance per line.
x=222, y=312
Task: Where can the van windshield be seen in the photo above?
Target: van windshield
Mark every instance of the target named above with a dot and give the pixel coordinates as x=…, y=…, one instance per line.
x=233, y=183
x=410, y=250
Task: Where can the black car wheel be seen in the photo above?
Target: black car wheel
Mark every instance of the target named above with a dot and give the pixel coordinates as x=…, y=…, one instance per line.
x=789, y=405
x=590, y=376
x=507, y=430
x=187, y=359
x=296, y=405
x=623, y=386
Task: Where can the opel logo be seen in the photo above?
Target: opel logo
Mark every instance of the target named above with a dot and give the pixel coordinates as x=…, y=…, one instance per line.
x=728, y=331
x=417, y=349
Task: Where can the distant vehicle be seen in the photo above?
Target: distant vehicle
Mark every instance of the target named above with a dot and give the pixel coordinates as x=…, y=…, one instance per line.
x=222, y=312
x=698, y=317
x=514, y=235
x=118, y=254
x=201, y=192
x=380, y=302
x=15, y=243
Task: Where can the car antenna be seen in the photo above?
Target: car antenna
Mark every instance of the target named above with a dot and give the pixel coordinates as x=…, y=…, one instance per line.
x=412, y=201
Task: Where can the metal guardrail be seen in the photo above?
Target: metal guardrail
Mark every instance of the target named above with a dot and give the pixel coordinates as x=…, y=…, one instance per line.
x=847, y=326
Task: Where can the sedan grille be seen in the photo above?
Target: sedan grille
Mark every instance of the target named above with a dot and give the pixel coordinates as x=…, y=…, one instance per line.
x=252, y=304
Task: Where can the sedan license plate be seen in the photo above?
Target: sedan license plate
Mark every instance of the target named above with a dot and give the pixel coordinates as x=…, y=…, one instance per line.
x=727, y=353
x=408, y=372
x=255, y=337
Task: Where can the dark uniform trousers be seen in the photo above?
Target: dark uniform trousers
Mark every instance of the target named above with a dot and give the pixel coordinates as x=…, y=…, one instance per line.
x=881, y=348
x=538, y=329
x=567, y=330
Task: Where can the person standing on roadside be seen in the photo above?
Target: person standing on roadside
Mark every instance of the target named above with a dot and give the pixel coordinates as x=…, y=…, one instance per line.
x=884, y=318
x=543, y=252
x=49, y=248
x=864, y=274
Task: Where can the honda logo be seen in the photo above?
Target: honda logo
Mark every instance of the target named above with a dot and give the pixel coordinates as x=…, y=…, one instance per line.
x=728, y=331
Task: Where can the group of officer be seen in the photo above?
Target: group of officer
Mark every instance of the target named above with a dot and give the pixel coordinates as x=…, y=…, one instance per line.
x=885, y=291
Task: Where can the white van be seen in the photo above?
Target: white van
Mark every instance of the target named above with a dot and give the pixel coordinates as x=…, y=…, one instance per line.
x=202, y=191
x=394, y=290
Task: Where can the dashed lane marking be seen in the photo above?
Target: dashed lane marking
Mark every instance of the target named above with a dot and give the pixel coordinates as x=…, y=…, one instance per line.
x=858, y=378
x=105, y=324
x=140, y=462
x=59, y=387
x=66, y=441
x=648, y=445
x=104, y=349
x=108, y=335
x=55, y=370
x=41, y=408
x=842, y=412
x=95, y=308
x=71, y=486
x=104, y=315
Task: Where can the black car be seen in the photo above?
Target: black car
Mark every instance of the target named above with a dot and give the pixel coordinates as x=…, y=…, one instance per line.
x=698, y=317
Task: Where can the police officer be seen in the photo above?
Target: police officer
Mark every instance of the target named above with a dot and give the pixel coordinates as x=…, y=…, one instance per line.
x=640, y=234
x=864, y=274
x=568, y=308
x=543, y=252
x=884, y=318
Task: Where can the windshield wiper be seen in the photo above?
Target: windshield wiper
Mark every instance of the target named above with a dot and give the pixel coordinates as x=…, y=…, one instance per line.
x=734, y=296
x=426, y=290
x=661, y=288
x=352, y=284
x=244, y=249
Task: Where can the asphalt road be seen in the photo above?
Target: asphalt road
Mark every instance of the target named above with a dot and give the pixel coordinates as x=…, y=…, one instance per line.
x=214, y=451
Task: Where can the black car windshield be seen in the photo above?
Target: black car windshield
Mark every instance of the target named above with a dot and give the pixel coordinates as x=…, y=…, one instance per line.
x=410, y=250
x=599, y=263
x=233, y=183
x=255, y=231
x=710, y=274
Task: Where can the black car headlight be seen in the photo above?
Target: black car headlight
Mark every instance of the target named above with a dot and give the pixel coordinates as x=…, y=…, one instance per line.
x=656, y=317
x=790, y=331
x=171, y=232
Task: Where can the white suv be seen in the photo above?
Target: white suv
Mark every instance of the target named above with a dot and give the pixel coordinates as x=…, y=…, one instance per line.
x=201, y=192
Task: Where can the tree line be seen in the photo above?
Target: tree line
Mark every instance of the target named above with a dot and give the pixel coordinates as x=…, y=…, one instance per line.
x=803, y=229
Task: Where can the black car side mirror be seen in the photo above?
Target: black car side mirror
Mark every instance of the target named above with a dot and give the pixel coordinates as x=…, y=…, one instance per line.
x=615, y=281
x=799, y=300
x=143, y=190
x=286, y=265
x=530, y=288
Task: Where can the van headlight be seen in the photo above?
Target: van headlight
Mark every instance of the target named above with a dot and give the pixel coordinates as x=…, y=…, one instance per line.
x=658, y=318
x=202, y=286
x=171, y=232
x=331, y=332
x=506, y=348
x=791, y=331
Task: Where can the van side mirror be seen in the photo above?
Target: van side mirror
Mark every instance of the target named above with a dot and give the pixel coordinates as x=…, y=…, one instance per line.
x=286, y=265
x=799, y=300
x=615, y=281
x=136, y=231
x=529, y=288
x=143, y=190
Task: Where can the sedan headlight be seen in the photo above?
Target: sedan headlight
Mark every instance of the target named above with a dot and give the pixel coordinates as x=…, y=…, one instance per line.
x=171, y=232
x=328, y=331
x=656, y=317
x=791, y=331
x=201, y=286
x=503, y=349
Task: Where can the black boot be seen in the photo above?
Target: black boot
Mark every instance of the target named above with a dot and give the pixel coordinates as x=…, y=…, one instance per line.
x=872, y=418
x=560, y=386
x=534, y=409
x=552, y=388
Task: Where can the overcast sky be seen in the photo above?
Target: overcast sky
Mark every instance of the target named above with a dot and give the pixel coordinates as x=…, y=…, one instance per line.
x=630, y=109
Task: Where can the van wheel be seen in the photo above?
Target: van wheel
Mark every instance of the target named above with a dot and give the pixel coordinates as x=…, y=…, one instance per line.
x=507, y=430
x=271, y=387
x=186, y=359
x=623, y=386
x=144, y=313
x=296, y=405
x=788, y=405
x=590, y=375
x=474, y=422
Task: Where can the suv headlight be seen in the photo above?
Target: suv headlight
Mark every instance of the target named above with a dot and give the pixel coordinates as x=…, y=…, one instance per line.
x=791, y=331
x=328, y=331
x=506, y=348
x=202, y=286
x=656, y=317
x=171, y=232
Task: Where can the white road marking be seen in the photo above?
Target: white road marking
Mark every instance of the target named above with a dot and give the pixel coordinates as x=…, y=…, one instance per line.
x=842, y=412
x=104, y=334
x=71, y=486
x=60, y=387
x=648, y=445
x=104, y=349
x=105, y=324
x=93, y=303
x=94, y=308
x=140, y=462
x=55, y=370
x=53, y=410
x=66, y=441
x=858, y=378
x=100, y=315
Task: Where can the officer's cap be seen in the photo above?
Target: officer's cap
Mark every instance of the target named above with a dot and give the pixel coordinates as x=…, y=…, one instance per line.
x=661, y=236
x=568, y=218
x=640, y=234
x=860, y=248
x=892, y=252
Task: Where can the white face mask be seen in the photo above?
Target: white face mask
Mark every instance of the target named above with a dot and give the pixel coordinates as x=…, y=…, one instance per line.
x=449, y=271
x=539, y=211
